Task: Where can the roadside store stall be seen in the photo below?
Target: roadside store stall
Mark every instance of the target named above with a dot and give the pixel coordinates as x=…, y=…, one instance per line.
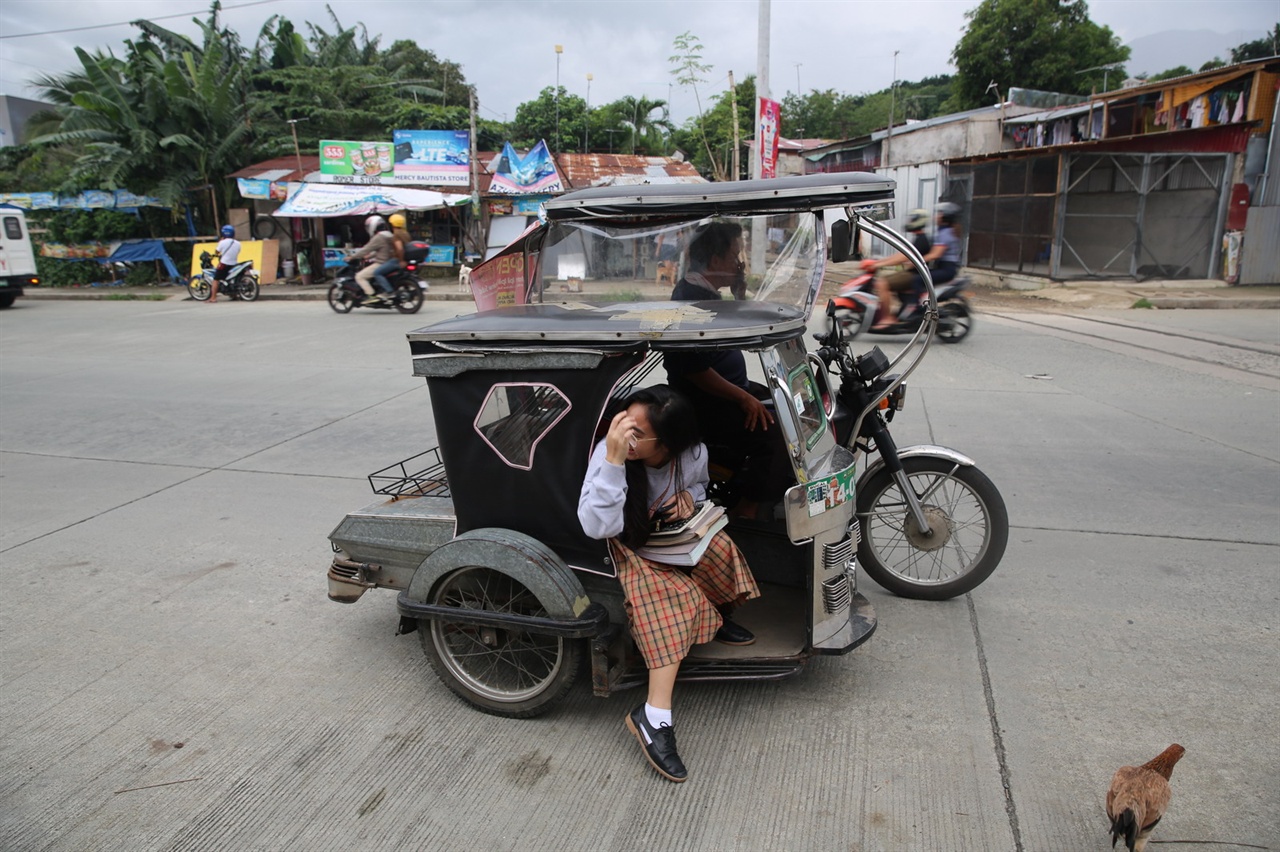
x=342, y=209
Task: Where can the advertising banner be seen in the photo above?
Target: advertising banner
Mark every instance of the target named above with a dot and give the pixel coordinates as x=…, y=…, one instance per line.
x=436, y=157
x=260, y=188
x=767, y=137
x=355, y=162
x=322, y=200
x=93, y=199
x=533, y=173
x=499, y=282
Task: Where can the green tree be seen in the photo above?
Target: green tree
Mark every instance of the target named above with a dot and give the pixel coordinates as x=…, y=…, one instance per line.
x=1215, y=62
x=1034, y=44
x=1179, y=71
x=1268, y=45
x=536, y=119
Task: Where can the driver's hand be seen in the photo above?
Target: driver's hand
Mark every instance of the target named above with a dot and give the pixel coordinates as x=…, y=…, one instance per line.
x=678, y=507
x=756, y=415
x=868, y=265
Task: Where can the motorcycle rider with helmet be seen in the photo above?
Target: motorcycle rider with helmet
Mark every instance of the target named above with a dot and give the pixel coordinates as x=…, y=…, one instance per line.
x=228, y=250
x=400, y=239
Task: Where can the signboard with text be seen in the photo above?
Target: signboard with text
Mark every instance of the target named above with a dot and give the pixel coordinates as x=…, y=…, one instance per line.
x=436, y=157
x=355, y=160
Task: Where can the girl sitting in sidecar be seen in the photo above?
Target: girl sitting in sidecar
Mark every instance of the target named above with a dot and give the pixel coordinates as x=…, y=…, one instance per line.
x=650, y=464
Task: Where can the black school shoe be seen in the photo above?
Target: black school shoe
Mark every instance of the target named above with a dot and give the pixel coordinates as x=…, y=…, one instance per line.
x=661, y=752
x=734, y=634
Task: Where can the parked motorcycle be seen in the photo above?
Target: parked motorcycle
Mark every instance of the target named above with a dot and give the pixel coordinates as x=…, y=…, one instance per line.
x=241, y=281
x=857, y=305
x=407, y=291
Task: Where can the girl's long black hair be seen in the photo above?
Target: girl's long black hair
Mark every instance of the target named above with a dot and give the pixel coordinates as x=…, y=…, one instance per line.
x=676, y=427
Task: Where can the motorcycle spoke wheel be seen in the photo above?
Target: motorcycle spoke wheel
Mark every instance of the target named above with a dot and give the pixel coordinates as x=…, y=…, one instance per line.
x=954, y=322
x=340, y=300
x=247, y=287
x=409, y=301
x=200, y=288
x=505, y=671
x=969, y=530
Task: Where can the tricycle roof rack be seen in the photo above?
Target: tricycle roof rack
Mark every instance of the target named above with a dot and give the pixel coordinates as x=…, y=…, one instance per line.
x=749, y=197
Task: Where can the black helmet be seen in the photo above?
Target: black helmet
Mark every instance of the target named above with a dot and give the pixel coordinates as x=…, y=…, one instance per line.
x=949, y=212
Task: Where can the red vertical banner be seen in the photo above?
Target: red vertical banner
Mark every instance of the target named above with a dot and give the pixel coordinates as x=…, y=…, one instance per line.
x=767, y=137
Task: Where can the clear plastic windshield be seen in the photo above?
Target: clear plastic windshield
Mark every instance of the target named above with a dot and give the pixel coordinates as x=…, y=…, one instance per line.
x=765, y=258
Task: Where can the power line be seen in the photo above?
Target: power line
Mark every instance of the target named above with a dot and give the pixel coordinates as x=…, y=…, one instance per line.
x=127, y=23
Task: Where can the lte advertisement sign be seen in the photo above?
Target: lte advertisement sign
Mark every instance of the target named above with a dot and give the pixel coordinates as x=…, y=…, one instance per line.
x=436, y=157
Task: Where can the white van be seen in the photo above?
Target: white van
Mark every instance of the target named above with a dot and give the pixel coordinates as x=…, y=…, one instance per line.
x=17, y=258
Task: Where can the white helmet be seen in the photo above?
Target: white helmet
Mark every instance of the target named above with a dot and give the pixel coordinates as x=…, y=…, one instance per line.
x=371, y=224
x=917, y=220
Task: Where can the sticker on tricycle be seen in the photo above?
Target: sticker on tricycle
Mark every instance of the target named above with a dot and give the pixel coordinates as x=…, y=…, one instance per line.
x=828, y=493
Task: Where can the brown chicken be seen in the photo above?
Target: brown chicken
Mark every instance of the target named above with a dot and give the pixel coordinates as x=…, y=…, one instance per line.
x=1138, y=797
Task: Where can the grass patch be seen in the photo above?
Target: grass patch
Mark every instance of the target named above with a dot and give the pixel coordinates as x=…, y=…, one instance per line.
x=628, y=296
x=136, y=297
x=1144, y=302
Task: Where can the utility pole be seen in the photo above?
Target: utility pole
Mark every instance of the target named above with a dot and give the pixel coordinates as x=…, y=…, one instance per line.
x=758, y=232
x=559, y=50
x=586, y=145
x=798, y=64
x=293, y=125
x=475, y=184
x=893, y=91
x=737, y=145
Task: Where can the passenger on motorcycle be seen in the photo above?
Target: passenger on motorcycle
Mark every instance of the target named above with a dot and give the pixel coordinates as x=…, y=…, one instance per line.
x=228, y=250
x=400, y=239
x=379, y=250
x=651, y=463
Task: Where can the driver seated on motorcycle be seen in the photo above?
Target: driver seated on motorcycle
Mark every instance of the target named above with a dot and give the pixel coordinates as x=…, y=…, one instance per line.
x=728, y=404
x=379, y=250
x=942, y=258
x=228, y=250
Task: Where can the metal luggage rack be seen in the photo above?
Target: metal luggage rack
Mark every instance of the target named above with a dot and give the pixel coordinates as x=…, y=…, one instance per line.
x=428, y=479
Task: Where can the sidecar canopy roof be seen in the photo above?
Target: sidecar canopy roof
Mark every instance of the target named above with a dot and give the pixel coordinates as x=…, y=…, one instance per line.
x=736, y=198
x=618, y=327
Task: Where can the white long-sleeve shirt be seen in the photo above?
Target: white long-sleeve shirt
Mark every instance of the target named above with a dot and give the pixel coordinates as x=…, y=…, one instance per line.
x=604, y=489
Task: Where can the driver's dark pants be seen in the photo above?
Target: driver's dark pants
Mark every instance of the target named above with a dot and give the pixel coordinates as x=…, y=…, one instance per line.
x=760, y=454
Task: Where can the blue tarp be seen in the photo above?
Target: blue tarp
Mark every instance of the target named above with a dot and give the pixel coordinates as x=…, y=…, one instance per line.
x=139, y=250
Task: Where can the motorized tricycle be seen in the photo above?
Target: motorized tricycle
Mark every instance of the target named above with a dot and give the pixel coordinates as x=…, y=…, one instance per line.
x=480, y=535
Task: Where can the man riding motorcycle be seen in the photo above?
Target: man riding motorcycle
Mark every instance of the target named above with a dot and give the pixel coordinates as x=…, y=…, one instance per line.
x=379, y=250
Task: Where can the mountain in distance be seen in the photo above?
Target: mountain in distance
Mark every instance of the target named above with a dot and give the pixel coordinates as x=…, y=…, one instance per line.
x=1152, y=54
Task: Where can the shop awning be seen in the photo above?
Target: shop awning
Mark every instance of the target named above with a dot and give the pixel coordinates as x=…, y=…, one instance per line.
x=326, y=200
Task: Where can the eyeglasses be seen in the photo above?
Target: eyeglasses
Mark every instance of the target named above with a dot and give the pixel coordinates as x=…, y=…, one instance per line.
x=636, y=440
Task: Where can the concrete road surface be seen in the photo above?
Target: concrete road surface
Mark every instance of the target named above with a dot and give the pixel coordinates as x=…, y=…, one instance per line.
x=175, y=679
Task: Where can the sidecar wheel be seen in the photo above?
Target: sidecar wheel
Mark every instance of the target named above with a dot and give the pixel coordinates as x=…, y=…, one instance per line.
x=969, y=526
x=200, y=288
x=340, y=300
x=954, y=322
x=507, y=672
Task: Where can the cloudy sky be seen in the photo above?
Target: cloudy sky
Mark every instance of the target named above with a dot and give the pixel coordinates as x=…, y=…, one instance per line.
x=507, y=47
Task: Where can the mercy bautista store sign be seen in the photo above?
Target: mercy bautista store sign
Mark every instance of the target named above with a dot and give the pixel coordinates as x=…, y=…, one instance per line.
x=434, y=157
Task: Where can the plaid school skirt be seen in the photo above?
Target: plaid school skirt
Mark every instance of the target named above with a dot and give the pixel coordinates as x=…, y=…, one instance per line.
x=671, y=608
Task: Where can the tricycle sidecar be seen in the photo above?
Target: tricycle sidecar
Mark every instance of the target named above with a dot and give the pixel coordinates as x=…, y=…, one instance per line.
x=480, y=535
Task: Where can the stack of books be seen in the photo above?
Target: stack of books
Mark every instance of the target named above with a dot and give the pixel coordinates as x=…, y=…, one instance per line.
x=684, y=542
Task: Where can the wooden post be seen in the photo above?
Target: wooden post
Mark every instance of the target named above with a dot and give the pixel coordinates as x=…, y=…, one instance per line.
x=733, y=95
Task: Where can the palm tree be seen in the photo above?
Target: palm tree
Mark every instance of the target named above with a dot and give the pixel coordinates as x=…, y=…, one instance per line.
x=644, y=129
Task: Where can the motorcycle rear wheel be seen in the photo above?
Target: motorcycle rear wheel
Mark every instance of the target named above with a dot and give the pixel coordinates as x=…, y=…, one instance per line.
x=969, y=529
x=247, y=287
x=955, y=320
x=200, y=288
x=853, y=321
x=409, y=300
x=340, y=300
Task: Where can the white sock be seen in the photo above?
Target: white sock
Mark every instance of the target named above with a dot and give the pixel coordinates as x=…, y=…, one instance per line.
x=657, y=717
